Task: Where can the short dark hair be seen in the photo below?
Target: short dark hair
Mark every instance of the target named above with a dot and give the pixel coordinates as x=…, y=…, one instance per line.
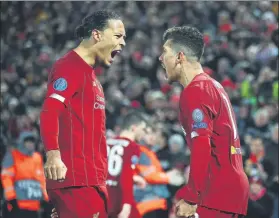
x=187, y=39
x=132, y=118
x=98, y=20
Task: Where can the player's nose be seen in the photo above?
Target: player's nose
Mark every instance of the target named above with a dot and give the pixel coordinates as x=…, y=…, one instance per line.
x=122, y=43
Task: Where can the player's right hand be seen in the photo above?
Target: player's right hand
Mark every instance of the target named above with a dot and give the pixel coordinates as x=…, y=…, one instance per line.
x=55, y=169
x=125, y=212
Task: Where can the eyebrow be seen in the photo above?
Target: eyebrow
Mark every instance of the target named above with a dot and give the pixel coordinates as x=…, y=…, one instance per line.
x=124, y=36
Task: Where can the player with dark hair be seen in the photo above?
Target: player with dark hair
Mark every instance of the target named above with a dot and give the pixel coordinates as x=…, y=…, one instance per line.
x=218, y=186
x=123, y=154
x=72, y=120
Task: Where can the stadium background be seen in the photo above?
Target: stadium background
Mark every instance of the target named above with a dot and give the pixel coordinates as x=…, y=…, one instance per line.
x=240, y=52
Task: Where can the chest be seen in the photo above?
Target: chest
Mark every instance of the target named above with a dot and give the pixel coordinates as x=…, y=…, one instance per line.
x=90, y=95
x=27, y=167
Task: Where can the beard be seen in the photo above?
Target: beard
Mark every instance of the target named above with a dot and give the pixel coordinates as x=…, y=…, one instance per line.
x=101, y=63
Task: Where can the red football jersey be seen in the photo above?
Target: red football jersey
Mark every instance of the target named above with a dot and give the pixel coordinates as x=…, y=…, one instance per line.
x=82, y=140
x=206, y=113
x=123, y=154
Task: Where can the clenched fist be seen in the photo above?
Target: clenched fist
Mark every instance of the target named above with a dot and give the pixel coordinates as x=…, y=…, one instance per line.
x=55, y=169
x=183, y=209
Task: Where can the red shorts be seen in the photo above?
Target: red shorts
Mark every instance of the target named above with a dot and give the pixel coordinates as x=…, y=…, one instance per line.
x=205, y=212
x=80, y=202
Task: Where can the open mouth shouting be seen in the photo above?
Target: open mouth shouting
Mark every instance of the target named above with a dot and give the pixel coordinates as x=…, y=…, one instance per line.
x=114, y=53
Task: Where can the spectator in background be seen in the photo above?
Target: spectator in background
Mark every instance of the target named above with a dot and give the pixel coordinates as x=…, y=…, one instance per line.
x=272, y=148
x=178, y=152
x=23, y=179
x=256, y=161
x=261, y=202
x=274, y=188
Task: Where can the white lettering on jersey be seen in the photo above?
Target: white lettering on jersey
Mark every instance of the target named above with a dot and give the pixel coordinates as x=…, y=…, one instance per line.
x=115, y=155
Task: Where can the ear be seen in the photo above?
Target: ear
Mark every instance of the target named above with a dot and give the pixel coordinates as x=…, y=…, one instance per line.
x=180, y=57
x=96, y=35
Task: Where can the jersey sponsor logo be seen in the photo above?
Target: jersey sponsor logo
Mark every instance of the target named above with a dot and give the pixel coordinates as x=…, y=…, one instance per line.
x=200, y=125
x=197, y=115
x=99, y=106
x=99, y=98
x=98, y=84
x=60, y=84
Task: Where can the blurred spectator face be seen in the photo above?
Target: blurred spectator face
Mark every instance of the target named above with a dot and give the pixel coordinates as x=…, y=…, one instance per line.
x=274, y=134
x=30, y=145
x=175, y=148
x=160, y=139
x=155, y=100
x=176, y=143
x=113, y=38
x=255, y=187
x=139, y=130
x=261, y=118
x=272, y=111
x=247, y=139
x=256, y=146
x=168, y=59
x=243, y=112
x=150, y=137
x=223, y=65
x=5, y=115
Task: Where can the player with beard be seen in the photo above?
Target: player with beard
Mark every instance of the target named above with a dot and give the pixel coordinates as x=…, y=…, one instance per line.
x=72, y=120
x=123, y=154
x=217, y=186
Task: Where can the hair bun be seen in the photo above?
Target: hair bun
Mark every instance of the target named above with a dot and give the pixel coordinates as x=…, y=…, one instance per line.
x=79, y=31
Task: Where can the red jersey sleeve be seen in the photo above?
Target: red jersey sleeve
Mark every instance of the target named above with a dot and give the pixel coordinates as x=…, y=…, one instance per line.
x=63, y=83
x=197, y=114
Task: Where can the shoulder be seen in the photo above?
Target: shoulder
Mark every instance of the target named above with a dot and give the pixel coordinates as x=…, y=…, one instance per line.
x=65, y=66
x=37, y=157
x=8, y=159
x=135, y=148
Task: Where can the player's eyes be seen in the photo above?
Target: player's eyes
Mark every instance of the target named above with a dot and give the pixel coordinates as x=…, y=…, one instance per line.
x=118, y=36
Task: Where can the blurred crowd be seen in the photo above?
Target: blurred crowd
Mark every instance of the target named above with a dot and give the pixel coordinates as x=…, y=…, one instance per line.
x=241, y=53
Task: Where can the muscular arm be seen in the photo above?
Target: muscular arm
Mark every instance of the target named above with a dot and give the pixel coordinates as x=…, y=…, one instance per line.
x=62, y=85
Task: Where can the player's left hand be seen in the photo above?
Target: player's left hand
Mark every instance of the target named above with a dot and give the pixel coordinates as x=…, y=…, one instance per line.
x=184, y=209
